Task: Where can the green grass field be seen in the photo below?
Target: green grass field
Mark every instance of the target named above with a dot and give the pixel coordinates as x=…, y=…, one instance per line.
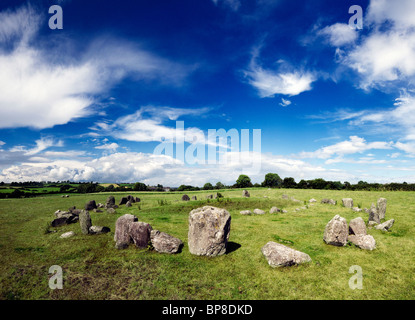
x=94, y=269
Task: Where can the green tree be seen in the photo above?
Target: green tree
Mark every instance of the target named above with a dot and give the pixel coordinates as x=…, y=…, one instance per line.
x=208, y=186
x=289, y=183
x=139, y=186
x=243, y=181
x=219, y=185
x=272, y=180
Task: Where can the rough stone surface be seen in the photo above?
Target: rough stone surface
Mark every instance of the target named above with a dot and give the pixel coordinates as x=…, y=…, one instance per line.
x=373, y=214
x=209, y=230
x=381, y=207
x=67, y=234
x=98, y=230
x=110, y=203
x=386, y=225
x=90, y=205
x=111, y=210
x=259, y=211
x=128, y=204
x=279, y=255
x=274, y=210
x=336, y=232
x=348, y=202
x=122, y=237
x=366, y=242
x=165, y=243
x=356, y=209
x=357, y=227
x=371, y=224
x=312, y=200
x=140, y=233
x=85, y=221
x=185, y=197
x=246, y=212
x=123, y=200
x=328, y=201
x=245, y=194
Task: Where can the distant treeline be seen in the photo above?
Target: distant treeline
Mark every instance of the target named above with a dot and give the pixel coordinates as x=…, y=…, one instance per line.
x=272, y=180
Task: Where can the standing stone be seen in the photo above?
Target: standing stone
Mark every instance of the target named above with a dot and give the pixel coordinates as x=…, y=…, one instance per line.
x=386, y=225
x=90, y=205
x=274, y=210
x=245, y=194
x=194, y=198
x=131, y=198
x=123, y=200
x=110, y=203
x=185, y=197
x=209, y=230
x=279, y=255
x=122, y=237
x=210, y=196
x=85, y=221
x=366, y=242
x=140, y=233
x=137, y=199
x=348, y=202
x=165, y=243
x=336, y=232
x=128, y=204
x=357, y=227
x=373, y=214
x=381, y=208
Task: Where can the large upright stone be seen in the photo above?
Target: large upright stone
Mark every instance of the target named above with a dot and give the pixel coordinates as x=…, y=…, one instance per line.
x=381, y=207
x=245, y=194
x=279, y=255
x=165, y=243
x=110, y=203
x=123, y=200
x=122, y=236
x=209, y=230
x=336, y=232
x=140, y=233
x=85, y=221
x=373, y=214
x=185, y=197
x=90, y=205
x=348, y=202
x=357, y=227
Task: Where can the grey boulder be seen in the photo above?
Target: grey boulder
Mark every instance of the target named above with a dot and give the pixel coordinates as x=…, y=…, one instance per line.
x=98, y=230
x=90, y=205
x=381, y=207
x=246, y=212
x=348, y=202
x=274, y=210
x=259, y=211
x=140, y=233
x=336, y=232
x=122, y=236
x=366, y=242
x=165, y=243
x=357, y=227
x=373, y=214
x=209, y=229
x=279, y=255
x=85, y=221
x=245, y=194
x=386, y=225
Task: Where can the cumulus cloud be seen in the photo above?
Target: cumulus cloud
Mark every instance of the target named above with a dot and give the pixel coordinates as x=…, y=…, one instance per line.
x=339, y=34
x=40, y=92
x=353, y=145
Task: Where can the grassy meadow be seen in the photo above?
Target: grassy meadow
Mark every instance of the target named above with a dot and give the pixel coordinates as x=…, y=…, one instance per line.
x=94, y=269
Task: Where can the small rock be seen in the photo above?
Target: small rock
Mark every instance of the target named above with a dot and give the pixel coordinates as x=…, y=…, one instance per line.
x=386, y=225
x=246, y=212
x=274, y=210
x=279, y=255
x=328, y=201
x=111, y=210
x=67, y=234
x=259, y=211
x=356, y=209
x=98, y=230
x=312, y=200
x=245, y=194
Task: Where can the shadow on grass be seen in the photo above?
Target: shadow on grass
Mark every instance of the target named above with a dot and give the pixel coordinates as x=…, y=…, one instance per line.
x=232, y=246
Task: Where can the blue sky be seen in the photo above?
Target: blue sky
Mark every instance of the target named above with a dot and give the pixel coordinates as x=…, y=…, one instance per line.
x=92, y=101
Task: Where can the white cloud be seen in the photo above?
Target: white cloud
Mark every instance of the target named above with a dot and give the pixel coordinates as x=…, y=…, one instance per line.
x=39, y=88
x=43, y=144
x=339, y=34
x=353, y=145
x=2, y=143
x=111, y=146
x=285, y=102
